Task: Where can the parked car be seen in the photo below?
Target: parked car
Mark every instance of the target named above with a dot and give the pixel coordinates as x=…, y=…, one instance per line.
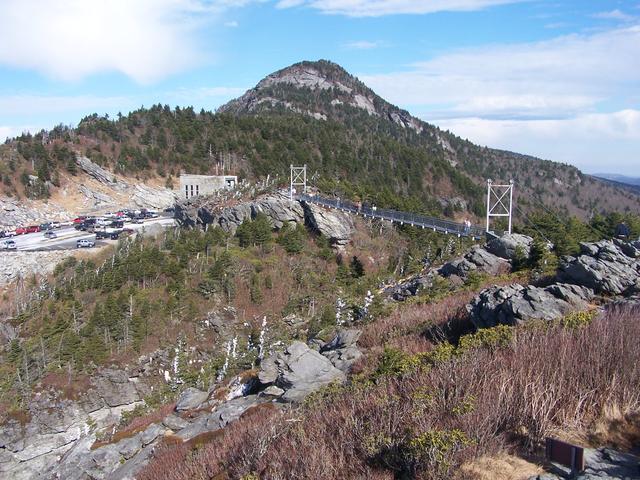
x=10, y=233
x=136, y=220
x=117, y=224
x=100, y=234
x=50, y=234
x=46, y=226
x=84, y=243
x=9, y=245
x=79, y=219
x=2, y=234
x=56, y=224
x=114, y=235
x=33, y=229
x=21, y=230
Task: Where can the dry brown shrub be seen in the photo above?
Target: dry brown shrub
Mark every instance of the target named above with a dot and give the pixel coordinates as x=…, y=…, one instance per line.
x=550, y=378
x=500, y=466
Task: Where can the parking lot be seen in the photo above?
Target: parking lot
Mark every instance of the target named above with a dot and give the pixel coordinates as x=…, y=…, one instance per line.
x=67, y=237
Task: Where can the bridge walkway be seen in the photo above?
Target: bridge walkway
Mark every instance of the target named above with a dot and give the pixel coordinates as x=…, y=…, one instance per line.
x=403, y=218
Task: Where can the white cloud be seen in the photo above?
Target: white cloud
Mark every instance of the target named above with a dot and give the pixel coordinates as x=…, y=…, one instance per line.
x=362, y=45
x=559, y=77
x=572, y=98
x=231, y=24
x=614, y=15
x=377, y=8
x=593, y=142
x=71, y=39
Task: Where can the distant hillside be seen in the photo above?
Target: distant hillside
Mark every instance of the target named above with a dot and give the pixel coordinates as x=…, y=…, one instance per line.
x=633, y=181
x=315, y=113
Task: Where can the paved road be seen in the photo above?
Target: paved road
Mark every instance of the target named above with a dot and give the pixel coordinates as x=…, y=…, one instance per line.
x=68, y=236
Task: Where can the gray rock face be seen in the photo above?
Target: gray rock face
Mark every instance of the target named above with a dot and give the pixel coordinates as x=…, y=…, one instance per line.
x=337, y=226
x=342, y=350
x=207, y=211
x=279, y=210
x=505, y=246
x=98, y=199
x=411, y=287
x=174, y=423
x=608, y=267
x=59, y=435
x=191, y=398
x=115, y=388
x=478, y=259
x=514, y=304
x=601, y=463
x=299, y=371
x=144, y=196
x=96, y=171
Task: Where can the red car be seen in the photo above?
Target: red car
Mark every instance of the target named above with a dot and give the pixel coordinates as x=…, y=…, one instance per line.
x=21, y=230
x=33, y=229
x=79, y=220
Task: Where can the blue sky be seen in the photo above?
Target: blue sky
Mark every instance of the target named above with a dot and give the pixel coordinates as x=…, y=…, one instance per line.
x=551, y=78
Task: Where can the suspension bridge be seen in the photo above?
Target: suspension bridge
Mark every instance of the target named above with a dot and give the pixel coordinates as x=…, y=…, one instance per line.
x=499, y=204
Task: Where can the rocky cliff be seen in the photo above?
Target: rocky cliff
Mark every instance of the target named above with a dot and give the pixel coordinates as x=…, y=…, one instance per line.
x=337, y=226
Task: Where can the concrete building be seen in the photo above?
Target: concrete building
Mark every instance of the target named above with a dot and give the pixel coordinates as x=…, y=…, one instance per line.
x=194, y=185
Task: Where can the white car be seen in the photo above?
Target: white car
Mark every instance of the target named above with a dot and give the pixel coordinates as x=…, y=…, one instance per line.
x=84, y=243
x=9, y=245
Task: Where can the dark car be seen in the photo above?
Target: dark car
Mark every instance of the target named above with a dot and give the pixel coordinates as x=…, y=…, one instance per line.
x=100, y=234
x=114, y=235
x=2, y=234
x=117, y=224
x=50, y=234
x=45, y=226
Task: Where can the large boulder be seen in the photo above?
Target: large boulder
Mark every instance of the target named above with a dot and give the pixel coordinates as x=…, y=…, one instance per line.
x=507, y=245
x=231, y=217
x=342, y=351
x=191, y=398
x=608, y=267
x=279, y=210
x=477, y=259
x=411, y=287
x=299, y=371
x=337, y=226
x=514, y=304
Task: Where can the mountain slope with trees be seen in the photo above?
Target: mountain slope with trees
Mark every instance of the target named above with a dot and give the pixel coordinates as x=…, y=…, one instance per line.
x=315, y=113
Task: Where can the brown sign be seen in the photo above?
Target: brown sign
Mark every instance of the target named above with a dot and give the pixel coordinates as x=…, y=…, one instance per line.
x=566, y=454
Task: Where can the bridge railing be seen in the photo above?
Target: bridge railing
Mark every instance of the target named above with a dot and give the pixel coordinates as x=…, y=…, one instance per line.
x=436, y=224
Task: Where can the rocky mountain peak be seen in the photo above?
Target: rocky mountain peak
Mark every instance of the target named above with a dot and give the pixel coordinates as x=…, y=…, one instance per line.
x=320, y=89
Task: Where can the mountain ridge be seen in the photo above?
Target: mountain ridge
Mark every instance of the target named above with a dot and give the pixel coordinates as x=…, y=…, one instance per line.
x=354, y=142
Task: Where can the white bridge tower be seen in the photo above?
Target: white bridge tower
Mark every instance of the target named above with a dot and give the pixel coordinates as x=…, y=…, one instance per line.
x=497, y=198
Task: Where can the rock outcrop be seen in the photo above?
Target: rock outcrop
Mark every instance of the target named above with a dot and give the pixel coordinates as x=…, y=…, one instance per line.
x=342, y=351
x=507, y=245
x=608, y=267
x=138, y=195
x=337, y=226
x=96, y=171
x=298, y=371
x=476, y=260
x=514, y=304
x=20, y=264
x=61, y=428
